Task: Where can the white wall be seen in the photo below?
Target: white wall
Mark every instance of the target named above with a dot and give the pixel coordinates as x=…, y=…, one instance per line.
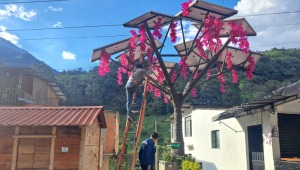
x=232, y=152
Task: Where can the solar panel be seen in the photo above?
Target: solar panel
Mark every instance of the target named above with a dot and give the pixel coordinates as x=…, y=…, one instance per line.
x=199, y=8
x=150, y=17
x=226, y=28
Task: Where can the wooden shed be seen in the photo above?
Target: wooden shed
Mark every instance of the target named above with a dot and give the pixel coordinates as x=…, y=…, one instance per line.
x=22, y=86
x=54, y=138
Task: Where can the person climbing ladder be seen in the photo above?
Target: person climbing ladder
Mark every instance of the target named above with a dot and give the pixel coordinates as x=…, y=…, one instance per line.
x=132, y=88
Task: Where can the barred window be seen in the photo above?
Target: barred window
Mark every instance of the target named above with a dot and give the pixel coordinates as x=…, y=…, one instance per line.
x=215, y=139
x=188, y=126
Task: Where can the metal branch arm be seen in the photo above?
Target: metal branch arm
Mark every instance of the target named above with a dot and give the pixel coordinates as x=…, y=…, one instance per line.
x=189, y=86
x=160, y=60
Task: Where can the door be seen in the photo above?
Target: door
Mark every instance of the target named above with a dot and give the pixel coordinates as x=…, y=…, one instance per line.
x=255, y=145
x=33, y=153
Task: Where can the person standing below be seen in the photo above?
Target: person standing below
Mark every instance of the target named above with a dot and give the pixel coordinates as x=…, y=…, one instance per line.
x=132, y=86
x=147, y=152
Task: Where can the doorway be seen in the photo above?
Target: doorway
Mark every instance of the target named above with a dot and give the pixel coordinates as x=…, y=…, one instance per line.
x=255, y=144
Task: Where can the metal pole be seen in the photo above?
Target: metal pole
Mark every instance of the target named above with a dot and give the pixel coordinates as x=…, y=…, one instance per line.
x=156, y=161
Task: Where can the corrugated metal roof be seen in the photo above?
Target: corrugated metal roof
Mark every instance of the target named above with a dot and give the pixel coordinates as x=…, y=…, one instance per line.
x=51, y=116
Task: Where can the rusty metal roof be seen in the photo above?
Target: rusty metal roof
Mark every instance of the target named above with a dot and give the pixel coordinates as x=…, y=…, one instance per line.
x=51, y=116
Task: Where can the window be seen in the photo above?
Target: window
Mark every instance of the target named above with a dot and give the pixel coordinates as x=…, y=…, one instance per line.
x=188, y=126
x=215, y=139
x=172, y=130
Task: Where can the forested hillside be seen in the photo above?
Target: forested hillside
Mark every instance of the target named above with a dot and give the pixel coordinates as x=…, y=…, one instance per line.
x=277, y=67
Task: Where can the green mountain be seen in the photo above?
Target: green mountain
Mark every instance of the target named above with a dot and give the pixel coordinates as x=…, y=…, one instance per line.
x=13, y=56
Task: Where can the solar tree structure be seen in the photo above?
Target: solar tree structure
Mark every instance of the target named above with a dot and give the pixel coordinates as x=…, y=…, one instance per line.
x=204, y=58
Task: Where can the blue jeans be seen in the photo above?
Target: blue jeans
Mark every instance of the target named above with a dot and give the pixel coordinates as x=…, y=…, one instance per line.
x=145, y=167
x=131, y=88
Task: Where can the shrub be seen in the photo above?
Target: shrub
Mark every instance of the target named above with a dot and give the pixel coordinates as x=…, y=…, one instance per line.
x=189, y=165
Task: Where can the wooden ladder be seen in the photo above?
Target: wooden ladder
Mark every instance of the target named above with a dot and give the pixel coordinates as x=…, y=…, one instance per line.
x=137, y=133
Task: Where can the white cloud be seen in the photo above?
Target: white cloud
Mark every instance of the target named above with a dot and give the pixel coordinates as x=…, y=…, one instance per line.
x=57, y=25
x=272, y=30
x=17, y=11
x=68, y=55
x=188, y=29
x=9, y=37
x=51, y=8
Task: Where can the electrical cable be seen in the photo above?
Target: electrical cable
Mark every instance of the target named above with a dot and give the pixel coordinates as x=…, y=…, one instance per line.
x=29, y=2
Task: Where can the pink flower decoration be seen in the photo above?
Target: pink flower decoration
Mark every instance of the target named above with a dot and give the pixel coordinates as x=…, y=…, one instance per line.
x=184, y=67
x=173, y=33
x=122, y=69
x=129, y=73
x=250, y=68
x=234, y=76
x=185, y=8
x=157, y=29
x=173, y=76
x=211, y=33
x=143, y=38
x=222, y=82
x=160, y=76
x=124, y=60
x=195, y=75
x=194, y=92
x=228, y=60
x=157, y=93
x=104, y=63
x=166, y=100
x=119, y=76
x=221, y=78
x=208, y=74
x=200, y=48
x=132, y=45
x=150, y=54
x=132, y=39
x=223, y=88
x=238, y=35
x=154, y=90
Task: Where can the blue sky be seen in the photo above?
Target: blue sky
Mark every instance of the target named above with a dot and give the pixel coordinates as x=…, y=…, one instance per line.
x=274, y=30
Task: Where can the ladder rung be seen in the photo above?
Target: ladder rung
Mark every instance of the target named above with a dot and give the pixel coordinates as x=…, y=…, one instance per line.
x=127, y=154
x=131, y=132
x=130, y=142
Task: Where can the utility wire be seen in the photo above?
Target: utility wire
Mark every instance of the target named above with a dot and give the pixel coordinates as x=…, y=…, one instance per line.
x=116, y=25
x=60, y=38
x=276, y=44
x=60, y=28
x=29, y=2
x=122, y=35
x=274, y=13
x=222, y=2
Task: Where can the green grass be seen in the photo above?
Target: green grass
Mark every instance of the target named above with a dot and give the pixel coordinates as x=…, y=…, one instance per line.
x=163, y=128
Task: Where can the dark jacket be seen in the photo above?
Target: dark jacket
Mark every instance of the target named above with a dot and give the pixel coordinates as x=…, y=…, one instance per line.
x=147, y=152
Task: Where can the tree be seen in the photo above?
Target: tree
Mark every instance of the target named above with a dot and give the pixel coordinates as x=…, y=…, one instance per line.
x=201, y=60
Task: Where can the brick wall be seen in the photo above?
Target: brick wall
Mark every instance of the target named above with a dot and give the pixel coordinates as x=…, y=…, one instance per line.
x=112, y=132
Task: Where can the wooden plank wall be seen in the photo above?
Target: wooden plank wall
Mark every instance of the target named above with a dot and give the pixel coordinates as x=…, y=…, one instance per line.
x=6, y=147
x=43, y=93
x=40, y=92
x=68, y=136
x=34, y=152
x=90, y=144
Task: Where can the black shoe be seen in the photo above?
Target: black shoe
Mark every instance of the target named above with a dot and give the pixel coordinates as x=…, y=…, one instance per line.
x=129, y=119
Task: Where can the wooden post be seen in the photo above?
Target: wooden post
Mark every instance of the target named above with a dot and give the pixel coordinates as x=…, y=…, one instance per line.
x=15, y=150
x=82, y=148
x=52, y=148
x=156, y=152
